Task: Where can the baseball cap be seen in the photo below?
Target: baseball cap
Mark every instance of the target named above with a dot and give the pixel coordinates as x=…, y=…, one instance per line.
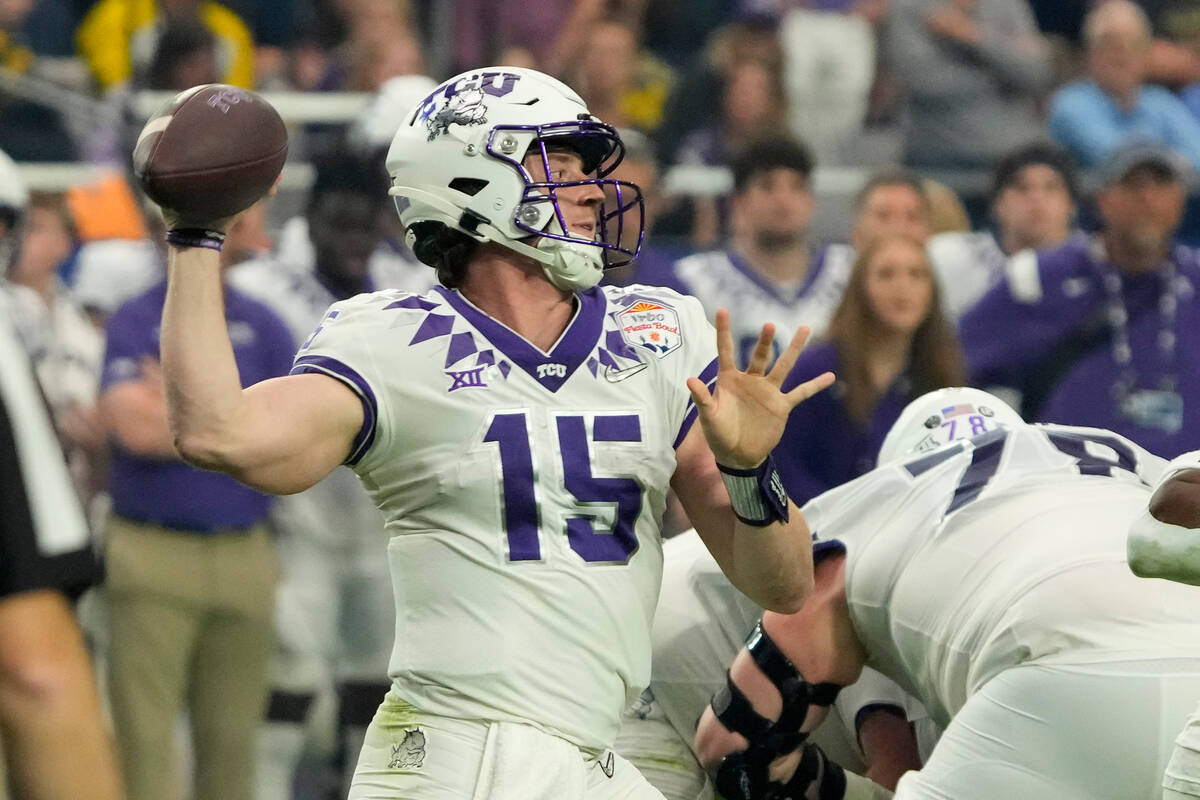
x=1140, y=152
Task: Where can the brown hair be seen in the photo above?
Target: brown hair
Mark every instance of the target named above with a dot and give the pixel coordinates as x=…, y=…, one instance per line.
x=446, y=250
x=935, y=357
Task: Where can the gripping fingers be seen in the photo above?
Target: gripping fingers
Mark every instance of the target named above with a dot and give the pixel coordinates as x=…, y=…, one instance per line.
x=809, y=388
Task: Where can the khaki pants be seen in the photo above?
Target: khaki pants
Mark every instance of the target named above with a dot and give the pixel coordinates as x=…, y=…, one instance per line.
x=191, y=627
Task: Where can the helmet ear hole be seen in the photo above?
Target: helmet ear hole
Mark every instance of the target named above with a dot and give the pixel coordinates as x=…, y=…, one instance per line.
x=468, y=186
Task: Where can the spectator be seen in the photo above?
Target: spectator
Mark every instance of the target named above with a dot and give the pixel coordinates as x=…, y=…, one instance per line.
x=1100, y=332
x=770, y=271
x=971, y=72
x=622, y=84
x=186, y=56
x=118, y=38
x=752, y=107
x=68, y=359
x=1091, y=117
x=829, y=67
x=191, y=570
x=554, y=31
x=334, y=614
x=892, y=201
x=49, y=707
x=888, y=343
x=699, y=88
x=1034, y=197
x=1174, y=59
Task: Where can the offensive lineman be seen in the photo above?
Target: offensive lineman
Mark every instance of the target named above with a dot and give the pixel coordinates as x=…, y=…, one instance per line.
x=1163, y=544
x=987, y=576
x=519, y=428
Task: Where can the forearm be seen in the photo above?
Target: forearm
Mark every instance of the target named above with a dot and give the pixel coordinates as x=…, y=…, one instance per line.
x=774, y=562
x=204, y=392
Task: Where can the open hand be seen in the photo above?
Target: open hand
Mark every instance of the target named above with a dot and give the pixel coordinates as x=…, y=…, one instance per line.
x=744, y=418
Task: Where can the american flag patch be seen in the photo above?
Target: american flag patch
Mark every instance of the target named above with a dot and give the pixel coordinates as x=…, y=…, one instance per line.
x=958, y=410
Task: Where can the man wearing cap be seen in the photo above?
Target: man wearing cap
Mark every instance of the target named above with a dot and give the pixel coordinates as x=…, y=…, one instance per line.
x=1034, y=192
x=1113, y=103
x=1102, y=331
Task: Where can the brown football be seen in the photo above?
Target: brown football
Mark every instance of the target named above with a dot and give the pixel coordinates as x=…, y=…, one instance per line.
x=210, y=152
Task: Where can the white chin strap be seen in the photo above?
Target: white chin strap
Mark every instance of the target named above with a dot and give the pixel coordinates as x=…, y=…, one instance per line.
x=569, y=266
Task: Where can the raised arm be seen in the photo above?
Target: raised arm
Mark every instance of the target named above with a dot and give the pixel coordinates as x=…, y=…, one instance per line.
x=281, y=435
x=760, y=538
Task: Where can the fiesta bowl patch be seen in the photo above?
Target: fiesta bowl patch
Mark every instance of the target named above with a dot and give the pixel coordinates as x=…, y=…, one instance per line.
x=652, y=327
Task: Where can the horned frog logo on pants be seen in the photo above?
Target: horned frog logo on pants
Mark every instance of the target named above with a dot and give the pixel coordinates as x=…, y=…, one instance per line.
x=409, y=752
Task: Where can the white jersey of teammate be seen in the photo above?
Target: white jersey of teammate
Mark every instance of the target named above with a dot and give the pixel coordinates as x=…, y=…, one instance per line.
x=1007, y=548
x=523, y=493
x=719, y=279
x=967, y=264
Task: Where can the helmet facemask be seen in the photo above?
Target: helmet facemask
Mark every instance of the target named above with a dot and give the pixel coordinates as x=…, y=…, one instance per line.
x=572, y=262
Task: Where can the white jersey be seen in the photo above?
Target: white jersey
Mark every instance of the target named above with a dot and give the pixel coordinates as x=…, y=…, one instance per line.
x=1002, y=549
x=719, y=279
x=966, y=264
x=523, y=492
x=336, y=510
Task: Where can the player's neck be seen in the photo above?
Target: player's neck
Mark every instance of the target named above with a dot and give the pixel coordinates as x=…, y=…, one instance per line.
x=785, y=266
x=518, y=295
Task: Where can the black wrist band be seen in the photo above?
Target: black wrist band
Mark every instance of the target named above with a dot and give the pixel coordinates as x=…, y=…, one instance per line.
x=757, y=495
x=196, y=237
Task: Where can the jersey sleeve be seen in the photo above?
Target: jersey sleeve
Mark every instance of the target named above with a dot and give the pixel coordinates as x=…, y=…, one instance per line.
x=341, y=348
x=700, y=355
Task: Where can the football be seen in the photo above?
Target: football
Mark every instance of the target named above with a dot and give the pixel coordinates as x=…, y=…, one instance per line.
x=1177, y=502
x=211, y=152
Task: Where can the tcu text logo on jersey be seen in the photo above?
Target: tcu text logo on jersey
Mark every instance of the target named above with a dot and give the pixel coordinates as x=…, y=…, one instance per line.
x=553, y=370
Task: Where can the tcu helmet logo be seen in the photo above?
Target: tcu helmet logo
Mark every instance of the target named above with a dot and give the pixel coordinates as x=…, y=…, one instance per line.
x=552, y=370
x=462, y=102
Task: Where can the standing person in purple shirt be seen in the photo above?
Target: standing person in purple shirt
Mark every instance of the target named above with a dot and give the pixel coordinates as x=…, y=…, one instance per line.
x=888, y=343
x=191, y=570
x=1101, y=331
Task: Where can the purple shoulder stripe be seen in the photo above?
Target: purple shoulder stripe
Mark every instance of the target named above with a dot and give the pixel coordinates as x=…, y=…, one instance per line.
x=709, y=376
x=323, y=365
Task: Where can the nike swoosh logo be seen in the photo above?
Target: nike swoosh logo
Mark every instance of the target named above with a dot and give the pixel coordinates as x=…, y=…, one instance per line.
x=618, y=375
x=607, y=764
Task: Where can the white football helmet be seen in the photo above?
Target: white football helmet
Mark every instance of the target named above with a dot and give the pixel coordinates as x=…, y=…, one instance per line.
x=458, y=160
x=943, y=416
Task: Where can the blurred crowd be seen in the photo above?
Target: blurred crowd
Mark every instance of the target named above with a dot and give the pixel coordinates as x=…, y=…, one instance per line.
x=1029, y=196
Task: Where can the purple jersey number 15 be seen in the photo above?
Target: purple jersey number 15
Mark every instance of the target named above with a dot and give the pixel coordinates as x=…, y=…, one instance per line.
x=511, y=433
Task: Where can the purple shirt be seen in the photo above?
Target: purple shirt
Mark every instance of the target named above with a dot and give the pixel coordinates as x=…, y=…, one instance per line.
x=172, y=493
x=1057, y=349
x=821, y=447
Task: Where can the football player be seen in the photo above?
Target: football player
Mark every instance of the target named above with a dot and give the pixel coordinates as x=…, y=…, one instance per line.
x=1163, y=544
x=699, y=626
x=519, y=427
x=982, y=567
